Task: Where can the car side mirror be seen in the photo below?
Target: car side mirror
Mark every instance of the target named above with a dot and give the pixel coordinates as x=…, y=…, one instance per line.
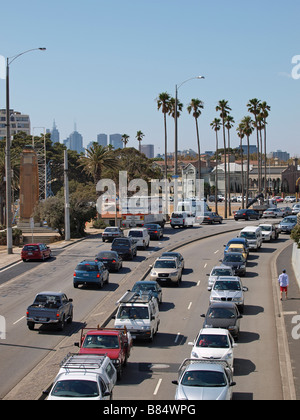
x=76, y=344
x=202, y=316
x=70, y=300
x=175, y=382
x=245, y=289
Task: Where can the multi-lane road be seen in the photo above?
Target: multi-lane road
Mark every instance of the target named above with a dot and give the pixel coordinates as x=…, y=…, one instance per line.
x=30, y=359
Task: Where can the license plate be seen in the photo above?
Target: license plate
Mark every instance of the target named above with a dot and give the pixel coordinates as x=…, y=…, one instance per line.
x=160, y=279
x=43, y=319
x=133, y=336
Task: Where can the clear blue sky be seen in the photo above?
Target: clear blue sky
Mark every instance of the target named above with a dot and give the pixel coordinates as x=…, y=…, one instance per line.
x=107, y=61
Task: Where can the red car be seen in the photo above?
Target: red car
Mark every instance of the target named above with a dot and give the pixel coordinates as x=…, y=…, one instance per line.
x=35, y=252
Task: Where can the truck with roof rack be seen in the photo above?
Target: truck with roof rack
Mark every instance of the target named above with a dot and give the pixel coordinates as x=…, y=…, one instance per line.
x=139, y=314
x=115, y=343
x=85, y=377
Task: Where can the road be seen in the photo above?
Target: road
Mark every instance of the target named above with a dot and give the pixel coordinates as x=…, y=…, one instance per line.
x=23, y=350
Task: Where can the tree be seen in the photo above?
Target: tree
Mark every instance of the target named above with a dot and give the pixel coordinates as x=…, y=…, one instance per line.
x=229, y=121
x=216, y=126
x=240, y=133
x=139, y=136
x=253, y=107
x=195, y=106
x=125, y=139
x=98, y=157
x=264, y=111
x=164, y=103
x=247, y=126
x=224, y=109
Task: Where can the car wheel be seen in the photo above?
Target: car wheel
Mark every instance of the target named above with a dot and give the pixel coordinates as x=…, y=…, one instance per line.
x=30, y=325
x=61, y=324
x=70, y=318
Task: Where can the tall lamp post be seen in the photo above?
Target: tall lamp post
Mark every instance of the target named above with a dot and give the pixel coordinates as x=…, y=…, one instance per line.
x=176, y=130
x=9, y=60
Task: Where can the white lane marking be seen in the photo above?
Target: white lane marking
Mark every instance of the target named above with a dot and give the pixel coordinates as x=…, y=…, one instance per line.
x=19, y=320
x=177, y=336
x=205, y=265
x=216, y=251
x=157, y=386
x=198, y=284
x=189, y=307
x=13, y=265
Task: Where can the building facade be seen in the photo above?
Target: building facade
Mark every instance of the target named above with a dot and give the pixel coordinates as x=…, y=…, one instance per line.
x=148, y=150
x=18, y=123
x=115, y=140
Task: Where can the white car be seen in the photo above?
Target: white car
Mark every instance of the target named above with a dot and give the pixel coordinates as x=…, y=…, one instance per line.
x=218, y=271
x=213, y=344
x=269, y=232
x=273, y=212
x=296, y=209
x=290, y=199
x=228, y=289
x=140, y=236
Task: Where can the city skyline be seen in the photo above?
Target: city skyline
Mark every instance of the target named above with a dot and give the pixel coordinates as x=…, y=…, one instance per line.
x=108, y=81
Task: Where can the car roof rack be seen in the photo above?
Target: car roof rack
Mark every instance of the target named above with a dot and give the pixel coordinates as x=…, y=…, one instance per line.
x=187, y=362
x=82, y=361
x=144, y=296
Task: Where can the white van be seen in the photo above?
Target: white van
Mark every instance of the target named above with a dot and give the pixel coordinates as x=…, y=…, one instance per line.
x=139, y=314
x=253, y=234
x=140, y=236
x=182, y=219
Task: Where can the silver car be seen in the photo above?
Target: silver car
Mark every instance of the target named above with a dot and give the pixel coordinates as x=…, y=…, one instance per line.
x=204, y=380
x=217, y=271
x=166, y=270
x=228, y=289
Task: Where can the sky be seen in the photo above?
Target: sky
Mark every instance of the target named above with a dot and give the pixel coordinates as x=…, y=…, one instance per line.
x=107, y=61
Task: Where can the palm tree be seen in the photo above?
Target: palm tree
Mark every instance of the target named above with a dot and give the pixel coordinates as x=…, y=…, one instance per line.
x=216, y=125
x=139, y=136
x=240, y=133
x=264, y=110
x=247, y=127
x=195, y=106
x=229, y=121
x=96, y=160
x=224, y=109
x=163, y=103
x=125, y=139
x=253, y=107
x=172, y=113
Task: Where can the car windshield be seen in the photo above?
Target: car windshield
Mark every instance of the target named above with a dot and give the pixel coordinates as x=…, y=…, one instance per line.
x=75, y=388
x=129, y=312
x=93, y=341
x=233, y=249
x=218, y=272
x=87, y=267
x=165, y=264
x=213, y=341
x=227, y=285
x=289, y=220
x=135, y=233
x=271, y=210
x=266, y=228
x=144, y=287
x=231, y=257
x=248, y=235
x=204, y=378
x=221, y=313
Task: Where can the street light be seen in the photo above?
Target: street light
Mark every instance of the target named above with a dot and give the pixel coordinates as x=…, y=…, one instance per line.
x=9, y=60
x=176, y=131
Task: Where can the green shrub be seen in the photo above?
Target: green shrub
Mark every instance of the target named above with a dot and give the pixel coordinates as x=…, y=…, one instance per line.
x=99, y=224
x=295, y=235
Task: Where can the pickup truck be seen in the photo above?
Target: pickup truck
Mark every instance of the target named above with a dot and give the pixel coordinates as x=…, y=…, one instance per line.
x=115, y=343
x=50, y=308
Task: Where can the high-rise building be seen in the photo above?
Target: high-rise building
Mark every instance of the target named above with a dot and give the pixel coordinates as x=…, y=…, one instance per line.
x=74, y=142
x=18, y=122
x=54, y=133
x=102, y=139
x=116, y=141
x=148, y=150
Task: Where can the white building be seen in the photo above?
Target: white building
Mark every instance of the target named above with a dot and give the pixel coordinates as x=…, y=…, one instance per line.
x=18, y=122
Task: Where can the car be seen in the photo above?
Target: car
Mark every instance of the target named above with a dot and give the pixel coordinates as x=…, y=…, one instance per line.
x=273, y=212
x=140, y=236
x=90, y=272
x=296, y=209
x=223, y=315
x=218, y=271
x=243, y=241
x=290, y=199
x=173, y=254
x=278, y=199
x=125, y=247
x=238, y=248
x=155, y=231
x=213, y=344
x=211, y=217
x=112, y=232
x=253, y=234
x=111, y=260
x=246, y=214
x=38, y=251
x=287, y=211
x=166, y=270
x=228, y=289
x=269, y=231
x=84, y=377
x=148, y=285
x=204, y=380
x=236, y=261
x=288, y=224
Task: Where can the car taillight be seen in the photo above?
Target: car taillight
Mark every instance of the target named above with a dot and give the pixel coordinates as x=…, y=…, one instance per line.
x=74, y=275
x=98, y=275
x=57, y=315
x=113, y=261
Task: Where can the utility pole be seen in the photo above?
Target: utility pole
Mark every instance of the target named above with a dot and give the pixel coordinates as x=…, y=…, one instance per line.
x=67, y=204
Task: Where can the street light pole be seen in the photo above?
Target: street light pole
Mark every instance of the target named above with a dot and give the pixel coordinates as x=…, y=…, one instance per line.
x=176, y=126
x=9, y=60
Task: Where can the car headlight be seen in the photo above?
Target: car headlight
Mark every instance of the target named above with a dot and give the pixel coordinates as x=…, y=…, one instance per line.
x=215, y=299
x=195, y=355
x=174, y=274
x=236, y=299
x=243, y=266
x=146, y=328
x=153, y=273
x=228, y=356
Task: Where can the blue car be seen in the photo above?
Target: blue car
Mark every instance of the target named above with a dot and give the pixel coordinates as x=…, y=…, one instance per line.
x=90, y=273
x=288, y=224
x=146, y=286
x=242, y=241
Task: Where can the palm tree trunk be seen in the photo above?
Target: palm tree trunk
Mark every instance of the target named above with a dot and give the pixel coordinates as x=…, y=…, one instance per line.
x=199, y=153
x=216, y=178
x=242, y=172
x=229, y=192
x=166, y=148
x=225, y=168
x=248, y=170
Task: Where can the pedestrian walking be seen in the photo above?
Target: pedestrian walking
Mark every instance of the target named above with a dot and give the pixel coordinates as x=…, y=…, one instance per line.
x=283, y=281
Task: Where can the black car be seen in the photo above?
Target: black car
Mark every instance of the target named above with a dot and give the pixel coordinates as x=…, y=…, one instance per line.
x=236, y=261
x=125, y=247
x=155, y=231
x=212, y=217
x=246, y=214
x=111, y=260
x=223, y=315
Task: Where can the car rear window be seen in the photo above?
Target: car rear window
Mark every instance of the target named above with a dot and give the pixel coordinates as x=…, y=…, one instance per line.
x=121, y=242
x=31, y=248
x=135, y=233
x=87, y=267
